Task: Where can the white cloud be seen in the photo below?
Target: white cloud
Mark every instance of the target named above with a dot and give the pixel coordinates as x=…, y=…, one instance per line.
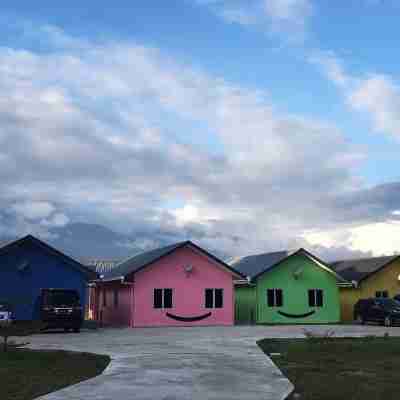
x=380, y=238
x=293, y=11
x=331, y=66
x=33, y=210
x=58, y=220
x=375, y=95
x=287, y=17
x=378, y=96
x=101, y=131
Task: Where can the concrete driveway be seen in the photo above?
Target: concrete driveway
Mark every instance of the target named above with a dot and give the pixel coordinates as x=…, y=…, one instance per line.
x=204, y=363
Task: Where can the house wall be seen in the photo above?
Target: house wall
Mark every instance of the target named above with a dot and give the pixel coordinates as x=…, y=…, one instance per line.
x=112, y=314
x=245, y=304
x=188, y=290
x=45, y=270
x=385, y=279
x=295, y=293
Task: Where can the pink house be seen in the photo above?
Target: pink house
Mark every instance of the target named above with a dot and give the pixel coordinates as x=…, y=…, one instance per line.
x=177, y=285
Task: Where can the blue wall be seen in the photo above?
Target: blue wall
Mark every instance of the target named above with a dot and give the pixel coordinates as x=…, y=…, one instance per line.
x=44, y=270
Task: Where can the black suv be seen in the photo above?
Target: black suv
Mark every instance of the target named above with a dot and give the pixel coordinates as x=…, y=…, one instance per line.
x=383, y=310
x=61, y=308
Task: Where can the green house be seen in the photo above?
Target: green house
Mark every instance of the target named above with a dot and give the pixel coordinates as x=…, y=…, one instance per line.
x=286, y=288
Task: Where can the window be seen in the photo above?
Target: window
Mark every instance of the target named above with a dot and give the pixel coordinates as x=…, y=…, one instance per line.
x=116, y=298
x=214, y=298
x=274, y=297
x=104, y=298
x=316, y=298
x=382, y=293
x=162, y=298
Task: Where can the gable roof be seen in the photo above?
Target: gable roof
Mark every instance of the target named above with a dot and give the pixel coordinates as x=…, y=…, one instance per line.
x=142, y=260
x=258, y=264
x=89, y=274
x=255, y=264
x=360, y=269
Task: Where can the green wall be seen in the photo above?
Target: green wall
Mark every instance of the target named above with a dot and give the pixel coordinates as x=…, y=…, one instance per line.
x=245, y=304
x=295, y=292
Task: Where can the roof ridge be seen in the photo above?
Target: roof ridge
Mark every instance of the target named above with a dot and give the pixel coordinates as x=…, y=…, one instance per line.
x=267, y=253
x=130, y=258
x=363, y=259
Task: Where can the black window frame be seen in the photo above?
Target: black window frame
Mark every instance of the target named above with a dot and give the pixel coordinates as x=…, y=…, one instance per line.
x=316, y=298
x=213, y=298
x=275, y=297
x=163, y=298
x=382, y=294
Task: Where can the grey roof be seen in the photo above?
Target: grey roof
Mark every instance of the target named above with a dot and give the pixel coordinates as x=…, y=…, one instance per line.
x=139, y=261
x=359, y=269
x=258, y=263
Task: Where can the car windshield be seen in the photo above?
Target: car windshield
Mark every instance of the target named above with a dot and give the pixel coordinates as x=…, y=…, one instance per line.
x=59, y=298
x=388, y=303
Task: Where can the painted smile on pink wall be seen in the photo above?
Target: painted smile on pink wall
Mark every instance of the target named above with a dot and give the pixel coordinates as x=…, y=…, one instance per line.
x=188, y=319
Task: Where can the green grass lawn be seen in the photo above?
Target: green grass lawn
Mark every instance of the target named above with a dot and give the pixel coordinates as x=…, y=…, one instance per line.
x=340, y=369
x=26, y=374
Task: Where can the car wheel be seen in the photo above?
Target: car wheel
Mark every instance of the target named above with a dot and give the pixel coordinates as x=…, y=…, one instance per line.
x=387, y=321
x=360, y=319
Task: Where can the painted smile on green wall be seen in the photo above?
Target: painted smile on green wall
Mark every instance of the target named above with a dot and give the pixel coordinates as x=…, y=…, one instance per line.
x=305, y=315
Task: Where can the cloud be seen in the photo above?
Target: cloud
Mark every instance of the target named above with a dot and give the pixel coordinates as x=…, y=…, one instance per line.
x=375, y=95
x=295, y=12
x=33, y=210
x=108, y=133
x=289, y=18
x=378, y=96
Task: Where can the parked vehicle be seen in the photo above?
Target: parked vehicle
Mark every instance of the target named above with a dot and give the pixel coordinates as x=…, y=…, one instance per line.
x=397, y=297
x=61, y=308
x=382, y=310
x=5, y=312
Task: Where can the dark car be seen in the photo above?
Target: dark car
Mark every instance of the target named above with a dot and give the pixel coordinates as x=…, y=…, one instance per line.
x=61, y=308
x=382, y=310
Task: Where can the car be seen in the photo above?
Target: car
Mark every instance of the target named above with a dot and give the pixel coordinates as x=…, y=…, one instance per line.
x=383, y=310
x=5, y=312
x=61, y=308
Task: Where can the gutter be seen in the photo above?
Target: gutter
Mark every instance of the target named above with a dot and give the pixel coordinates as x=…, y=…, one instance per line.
x=352, y=284
x=120, y=278
x=244, y=282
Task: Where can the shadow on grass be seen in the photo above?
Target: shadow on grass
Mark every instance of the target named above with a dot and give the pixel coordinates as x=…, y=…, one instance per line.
x=328, y=368
x=27, y=374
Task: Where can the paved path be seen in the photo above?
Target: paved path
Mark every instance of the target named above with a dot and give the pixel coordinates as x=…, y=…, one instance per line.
x=207, y=363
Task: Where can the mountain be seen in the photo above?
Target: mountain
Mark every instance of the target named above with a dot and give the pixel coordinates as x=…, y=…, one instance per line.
x=93, y=242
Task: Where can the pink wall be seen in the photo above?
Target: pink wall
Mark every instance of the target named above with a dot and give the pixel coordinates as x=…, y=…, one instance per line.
x=188, y=290
x=111, y=314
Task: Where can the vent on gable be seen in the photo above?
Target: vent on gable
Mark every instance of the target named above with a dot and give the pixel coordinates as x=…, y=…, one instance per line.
x=23, y=266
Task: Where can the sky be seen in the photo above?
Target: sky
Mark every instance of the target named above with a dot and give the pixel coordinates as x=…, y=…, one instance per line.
x=246, y=126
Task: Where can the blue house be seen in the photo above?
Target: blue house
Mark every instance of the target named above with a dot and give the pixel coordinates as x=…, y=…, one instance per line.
x=28, y=265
